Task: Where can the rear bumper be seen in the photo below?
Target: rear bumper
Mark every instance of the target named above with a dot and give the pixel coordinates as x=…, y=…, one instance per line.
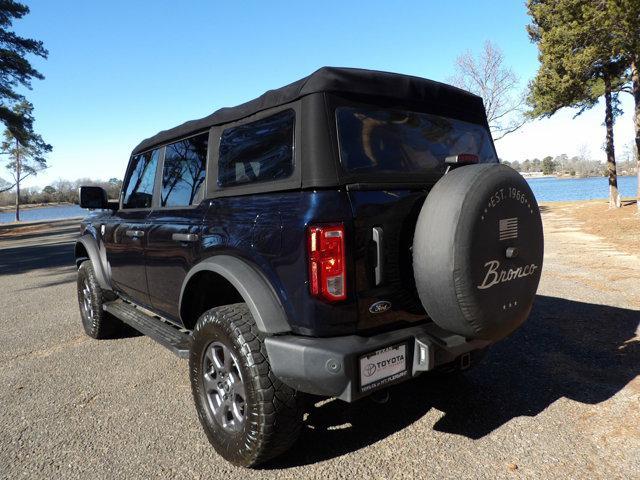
x=330, y=366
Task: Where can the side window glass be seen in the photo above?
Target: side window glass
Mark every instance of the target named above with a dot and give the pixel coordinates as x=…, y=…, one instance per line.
x=138, y=192
x=184, y=169
x=257, y=152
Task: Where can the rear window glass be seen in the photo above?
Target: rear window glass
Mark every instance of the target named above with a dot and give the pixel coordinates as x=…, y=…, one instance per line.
x=396, y=141
x=184, y=171
x=257, y=152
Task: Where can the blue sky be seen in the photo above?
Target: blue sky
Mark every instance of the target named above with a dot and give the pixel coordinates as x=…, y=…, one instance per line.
x=120, y=71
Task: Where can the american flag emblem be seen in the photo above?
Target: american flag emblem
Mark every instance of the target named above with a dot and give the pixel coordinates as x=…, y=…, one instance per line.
x=508, y=228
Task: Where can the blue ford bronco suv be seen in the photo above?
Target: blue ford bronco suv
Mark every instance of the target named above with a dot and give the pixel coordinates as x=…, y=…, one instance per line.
x=333, y=237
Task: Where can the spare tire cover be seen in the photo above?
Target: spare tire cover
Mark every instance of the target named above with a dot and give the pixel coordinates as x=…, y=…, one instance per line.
x=477, y=251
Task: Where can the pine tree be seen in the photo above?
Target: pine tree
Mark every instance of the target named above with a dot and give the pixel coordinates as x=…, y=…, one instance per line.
x=24, y=148
x=15, y=69
x=580, y=62
x=25, y=156
x=624, y=16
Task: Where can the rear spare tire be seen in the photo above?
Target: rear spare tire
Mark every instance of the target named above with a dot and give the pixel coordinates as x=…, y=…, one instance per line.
x=477, y=251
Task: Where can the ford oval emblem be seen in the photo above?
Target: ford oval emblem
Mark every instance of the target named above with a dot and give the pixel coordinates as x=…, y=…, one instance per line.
x=380, y=307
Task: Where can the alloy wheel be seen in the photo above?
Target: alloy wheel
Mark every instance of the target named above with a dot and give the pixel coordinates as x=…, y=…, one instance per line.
x=87, y=304
x=224, y=386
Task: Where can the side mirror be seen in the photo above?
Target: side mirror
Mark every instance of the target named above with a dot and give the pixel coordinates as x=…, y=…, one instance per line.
x=93, y=197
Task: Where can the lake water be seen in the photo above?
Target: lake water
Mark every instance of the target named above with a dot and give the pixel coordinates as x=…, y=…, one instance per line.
x=45, y=213
x=545, y=189
x=567, y=189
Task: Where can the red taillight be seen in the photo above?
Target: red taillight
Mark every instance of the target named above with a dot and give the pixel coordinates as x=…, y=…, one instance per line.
x=327, y=278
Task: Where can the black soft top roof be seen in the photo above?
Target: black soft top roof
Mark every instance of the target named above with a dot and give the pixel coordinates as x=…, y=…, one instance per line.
x=329, y=79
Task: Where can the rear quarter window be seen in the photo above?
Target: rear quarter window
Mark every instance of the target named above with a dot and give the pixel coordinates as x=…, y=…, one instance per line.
x=259, y=151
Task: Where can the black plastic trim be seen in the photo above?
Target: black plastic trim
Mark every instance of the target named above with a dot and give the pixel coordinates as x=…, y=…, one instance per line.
x=255, y=290
x=91, y=246
x=329, y=366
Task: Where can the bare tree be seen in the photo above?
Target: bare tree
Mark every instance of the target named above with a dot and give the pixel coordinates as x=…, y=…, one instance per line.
x=487, y=76
x=584, y=155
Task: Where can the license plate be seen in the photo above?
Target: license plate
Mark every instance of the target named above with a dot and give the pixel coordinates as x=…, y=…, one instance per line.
x=383, y=366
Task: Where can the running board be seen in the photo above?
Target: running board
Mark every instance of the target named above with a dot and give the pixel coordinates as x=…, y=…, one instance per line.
x=175, y=339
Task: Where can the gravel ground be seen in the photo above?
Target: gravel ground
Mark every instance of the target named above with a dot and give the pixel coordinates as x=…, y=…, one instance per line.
x=558, y=399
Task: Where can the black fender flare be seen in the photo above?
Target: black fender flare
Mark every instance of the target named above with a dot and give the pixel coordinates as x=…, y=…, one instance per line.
x=98, y=260
x=254, y=288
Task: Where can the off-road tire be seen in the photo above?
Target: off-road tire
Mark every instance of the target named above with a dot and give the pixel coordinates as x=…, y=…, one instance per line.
x=96, y=322
x=273, y=417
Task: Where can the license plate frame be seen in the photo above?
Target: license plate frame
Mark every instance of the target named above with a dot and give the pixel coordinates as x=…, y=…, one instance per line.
x=378, y=369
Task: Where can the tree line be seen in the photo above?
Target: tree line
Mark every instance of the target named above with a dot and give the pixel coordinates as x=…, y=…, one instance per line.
x=580, y=165
x=60, y=191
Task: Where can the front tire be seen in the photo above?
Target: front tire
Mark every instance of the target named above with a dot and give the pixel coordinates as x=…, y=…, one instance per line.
x=249, y=416
x=96, y=322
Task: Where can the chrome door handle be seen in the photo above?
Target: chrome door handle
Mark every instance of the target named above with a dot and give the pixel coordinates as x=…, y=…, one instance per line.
x=135, y=233
x=185, y=237
x=379, y=241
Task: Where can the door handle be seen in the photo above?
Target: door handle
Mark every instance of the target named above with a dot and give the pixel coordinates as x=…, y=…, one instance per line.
x=185, y=237
x=378, y=239
x=135, y=233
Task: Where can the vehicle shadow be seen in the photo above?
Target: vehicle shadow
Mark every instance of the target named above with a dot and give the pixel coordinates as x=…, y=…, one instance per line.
x=64, y=275
x=581, y=351
x=21, y=259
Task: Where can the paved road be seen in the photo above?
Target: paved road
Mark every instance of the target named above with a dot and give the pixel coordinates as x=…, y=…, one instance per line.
x=560, y=398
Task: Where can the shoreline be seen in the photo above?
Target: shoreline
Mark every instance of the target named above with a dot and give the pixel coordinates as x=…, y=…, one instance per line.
x=618, y=228
x=623, y=200
x=529, y=176
x=8, y=230
x=35, y=206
